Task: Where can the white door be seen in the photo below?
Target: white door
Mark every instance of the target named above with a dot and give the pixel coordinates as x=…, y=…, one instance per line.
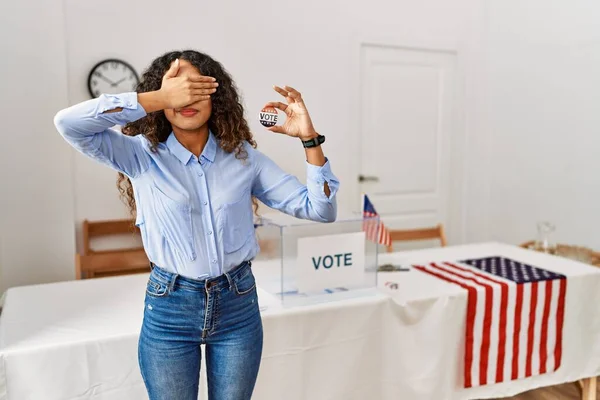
x=407, y=121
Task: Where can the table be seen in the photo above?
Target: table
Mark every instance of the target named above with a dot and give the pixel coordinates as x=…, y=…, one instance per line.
x=78, y=339
x=579, y=253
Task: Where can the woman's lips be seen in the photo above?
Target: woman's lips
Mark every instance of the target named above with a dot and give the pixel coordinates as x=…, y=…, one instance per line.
x=188, y=112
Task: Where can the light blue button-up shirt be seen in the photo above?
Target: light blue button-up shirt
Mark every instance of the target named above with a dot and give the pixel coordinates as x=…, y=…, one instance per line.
x=195, y=214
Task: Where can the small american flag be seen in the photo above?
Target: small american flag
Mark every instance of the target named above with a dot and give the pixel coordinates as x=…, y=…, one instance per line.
x=374, y=228
x=515, y=315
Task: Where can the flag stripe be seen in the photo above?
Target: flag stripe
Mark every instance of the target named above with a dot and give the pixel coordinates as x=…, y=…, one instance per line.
x=517, y=332
x=560, y=316
x=485, y=344
x=502, y=333
x=544, y=335
x=524, y=334
x=510, y=328
x=531, y=332
x=552, y=327
x=537, y=328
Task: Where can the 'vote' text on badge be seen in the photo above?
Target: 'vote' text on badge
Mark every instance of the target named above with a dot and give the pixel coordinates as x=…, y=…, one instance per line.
x=268, y=116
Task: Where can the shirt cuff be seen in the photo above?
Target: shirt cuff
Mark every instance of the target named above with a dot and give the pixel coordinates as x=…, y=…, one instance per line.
x=317, y=176
x=132, y=110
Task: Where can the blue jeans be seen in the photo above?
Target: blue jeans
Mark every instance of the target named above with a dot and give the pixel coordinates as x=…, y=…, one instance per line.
x=182, y=313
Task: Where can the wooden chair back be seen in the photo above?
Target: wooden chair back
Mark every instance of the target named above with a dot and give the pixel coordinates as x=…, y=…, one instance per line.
x=436, y=232
x=111, y=263
x=98, y=263
x=95, y=229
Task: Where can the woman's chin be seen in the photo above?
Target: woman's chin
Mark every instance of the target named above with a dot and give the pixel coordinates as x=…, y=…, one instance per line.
x=189, y=125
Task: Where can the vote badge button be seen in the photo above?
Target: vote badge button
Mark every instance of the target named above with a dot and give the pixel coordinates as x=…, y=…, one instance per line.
x=268, y=116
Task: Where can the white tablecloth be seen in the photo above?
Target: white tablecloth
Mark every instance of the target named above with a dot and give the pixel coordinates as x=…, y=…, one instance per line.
x=424, y=329
x=78, y=340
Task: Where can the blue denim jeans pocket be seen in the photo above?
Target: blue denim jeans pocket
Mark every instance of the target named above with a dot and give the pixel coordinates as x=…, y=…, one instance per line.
x=245, y=283
x=156, y=287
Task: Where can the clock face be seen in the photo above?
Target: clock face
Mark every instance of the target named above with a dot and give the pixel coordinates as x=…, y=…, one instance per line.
x=112, y=77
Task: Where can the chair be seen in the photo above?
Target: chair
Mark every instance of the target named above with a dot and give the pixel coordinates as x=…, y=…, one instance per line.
x=436, y=232
x=99, y=263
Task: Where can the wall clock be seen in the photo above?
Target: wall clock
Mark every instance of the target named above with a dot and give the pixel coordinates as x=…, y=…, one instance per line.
x=112, y=76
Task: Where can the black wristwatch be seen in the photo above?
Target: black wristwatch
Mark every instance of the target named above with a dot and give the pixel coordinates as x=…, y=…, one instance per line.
x=314, y=142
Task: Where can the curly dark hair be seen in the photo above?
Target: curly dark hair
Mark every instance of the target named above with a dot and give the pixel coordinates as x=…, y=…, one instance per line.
x=226, y=121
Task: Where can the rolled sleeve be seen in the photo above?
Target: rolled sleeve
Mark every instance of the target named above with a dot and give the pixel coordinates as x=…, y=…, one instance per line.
x=316, y=177
x=131, y=109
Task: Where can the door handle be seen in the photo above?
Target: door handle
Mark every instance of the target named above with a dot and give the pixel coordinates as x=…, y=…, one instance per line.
x=362, y=178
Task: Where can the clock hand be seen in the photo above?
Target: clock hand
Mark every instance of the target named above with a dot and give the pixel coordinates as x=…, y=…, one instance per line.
x=116, y=83
x=106, y=79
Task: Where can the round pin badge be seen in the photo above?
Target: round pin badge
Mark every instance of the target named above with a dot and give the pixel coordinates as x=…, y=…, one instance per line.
x=268, y=116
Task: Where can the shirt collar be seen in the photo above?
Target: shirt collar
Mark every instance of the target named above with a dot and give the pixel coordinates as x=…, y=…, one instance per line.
x=184, y=155
x=210, y=150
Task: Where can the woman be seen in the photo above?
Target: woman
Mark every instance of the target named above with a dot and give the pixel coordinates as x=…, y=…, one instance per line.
x=189, y=170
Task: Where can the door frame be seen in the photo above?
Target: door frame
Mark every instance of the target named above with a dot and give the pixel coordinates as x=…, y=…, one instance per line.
x=456, y=227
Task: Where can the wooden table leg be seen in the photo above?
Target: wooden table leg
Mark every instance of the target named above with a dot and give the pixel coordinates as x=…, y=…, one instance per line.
x=588, y=388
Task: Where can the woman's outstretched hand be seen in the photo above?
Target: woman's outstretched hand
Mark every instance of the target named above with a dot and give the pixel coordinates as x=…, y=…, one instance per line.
x=298, y=123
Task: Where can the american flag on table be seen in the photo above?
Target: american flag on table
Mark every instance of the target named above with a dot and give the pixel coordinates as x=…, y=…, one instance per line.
x=375, y=229
x=515, y=315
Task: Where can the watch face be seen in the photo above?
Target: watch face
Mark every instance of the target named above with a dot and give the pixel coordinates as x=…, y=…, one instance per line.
x=112, y=77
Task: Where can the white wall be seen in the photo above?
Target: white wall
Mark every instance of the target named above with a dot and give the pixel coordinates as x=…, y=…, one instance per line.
x=543, y=71
x=312, y=45
x=36, y=202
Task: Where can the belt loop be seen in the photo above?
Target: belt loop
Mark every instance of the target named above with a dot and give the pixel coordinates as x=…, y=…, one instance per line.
x=172, y=282
x=229, y=280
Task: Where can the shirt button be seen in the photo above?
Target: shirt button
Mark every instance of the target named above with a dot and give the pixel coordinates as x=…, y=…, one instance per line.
x=214, y=261
x=201, y=174
x=210, y=232
x=206, y=202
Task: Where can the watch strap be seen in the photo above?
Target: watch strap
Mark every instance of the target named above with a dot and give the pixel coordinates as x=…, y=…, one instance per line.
x=314, y=142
